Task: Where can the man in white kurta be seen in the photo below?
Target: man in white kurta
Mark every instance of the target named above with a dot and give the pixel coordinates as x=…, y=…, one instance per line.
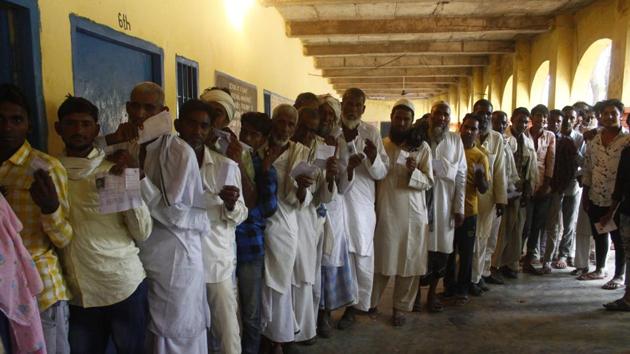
x=400, y=240
x=449, y=183
x=226, y=209
x=172, y=256
x=367, y=162
x=492, y=203
x=281, y=234
x=308, y=259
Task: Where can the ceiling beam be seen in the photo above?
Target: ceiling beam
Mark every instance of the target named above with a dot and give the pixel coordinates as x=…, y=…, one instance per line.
x=463, y=24
x=399, y=86
x=397, y=48
x=406, y=61
x=394, y=72
x=382, y=80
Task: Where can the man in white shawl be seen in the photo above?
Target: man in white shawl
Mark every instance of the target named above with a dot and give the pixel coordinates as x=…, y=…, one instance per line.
x=281, y=234
x=306, y=278
x=492, y=203
x=366, y=162
x=401, y=237
x=449, y=182
x=172, y=257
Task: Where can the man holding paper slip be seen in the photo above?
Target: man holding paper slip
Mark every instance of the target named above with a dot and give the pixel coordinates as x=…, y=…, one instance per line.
x=401, y=237
x=447, y=212
x=106, y=304
x=307, y=272
x=366, y=163
x=281, y=233
x=225, y=207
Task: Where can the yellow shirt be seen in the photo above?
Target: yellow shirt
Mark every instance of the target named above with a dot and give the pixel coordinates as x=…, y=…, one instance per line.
x=473, y=156
x=42, y=234
x=101, y=263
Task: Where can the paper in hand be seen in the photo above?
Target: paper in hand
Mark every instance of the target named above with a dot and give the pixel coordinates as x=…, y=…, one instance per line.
x=604, y=229
x=246, y=147
x=119, y=193
x=156, y=126
x=303, y=168
x=223, y=140
x=37, y=164
x=323, y=153
x=228, y=174
x=402, y=157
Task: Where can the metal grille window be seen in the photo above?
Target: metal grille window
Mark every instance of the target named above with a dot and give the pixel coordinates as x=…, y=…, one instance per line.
x=187, y=81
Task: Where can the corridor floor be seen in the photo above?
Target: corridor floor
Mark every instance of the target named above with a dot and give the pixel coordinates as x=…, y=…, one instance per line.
x=549, y=314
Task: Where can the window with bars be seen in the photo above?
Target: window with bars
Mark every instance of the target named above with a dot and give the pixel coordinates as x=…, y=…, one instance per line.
x=187, y=80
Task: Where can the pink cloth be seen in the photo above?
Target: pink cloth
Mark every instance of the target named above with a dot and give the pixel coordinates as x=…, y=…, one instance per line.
x=19, y=285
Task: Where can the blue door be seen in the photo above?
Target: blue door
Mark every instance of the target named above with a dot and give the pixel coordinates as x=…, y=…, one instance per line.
x=107, y=64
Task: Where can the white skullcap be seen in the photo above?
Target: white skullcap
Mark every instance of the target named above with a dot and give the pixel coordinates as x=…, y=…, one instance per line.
x=332, y=102
x=407, y=103
x=221, y=97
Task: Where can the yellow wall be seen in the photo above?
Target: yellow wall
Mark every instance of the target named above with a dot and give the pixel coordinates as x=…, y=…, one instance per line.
x=258, y=51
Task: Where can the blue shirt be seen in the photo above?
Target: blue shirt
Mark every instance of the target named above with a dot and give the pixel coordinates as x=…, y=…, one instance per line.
x=250, y=234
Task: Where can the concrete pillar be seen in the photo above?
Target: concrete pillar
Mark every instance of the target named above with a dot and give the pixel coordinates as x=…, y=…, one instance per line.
x=477, y=84
x=619, y=84
x=561, y=65
x=521, y=73
x=495, y=82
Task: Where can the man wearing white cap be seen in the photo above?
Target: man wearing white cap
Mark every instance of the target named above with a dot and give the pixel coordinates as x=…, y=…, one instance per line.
x=223, y=103
x=401, y=237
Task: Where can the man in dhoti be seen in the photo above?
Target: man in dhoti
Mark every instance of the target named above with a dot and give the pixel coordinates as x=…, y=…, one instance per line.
x=306, y=278
x=367, y=162
x=492, y=203
x=279, y=324
x=402, y=232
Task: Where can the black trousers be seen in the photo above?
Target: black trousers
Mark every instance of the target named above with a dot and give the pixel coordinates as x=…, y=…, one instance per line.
x=602, y=244
x=463, y=246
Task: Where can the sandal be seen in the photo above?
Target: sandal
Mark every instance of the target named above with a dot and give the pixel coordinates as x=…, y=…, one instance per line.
x=398, y=319
x=435, y=306
x=462, y=300
x=618, y=305
x=613, y=284
x=579, y=271
x=592, y=276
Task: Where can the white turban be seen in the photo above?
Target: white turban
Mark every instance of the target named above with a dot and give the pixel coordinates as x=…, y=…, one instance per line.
x=406, y=103
x=333, y=103
x=221, y=97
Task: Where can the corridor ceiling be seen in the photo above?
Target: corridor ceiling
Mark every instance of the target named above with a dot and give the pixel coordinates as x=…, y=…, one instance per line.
x=421, y=47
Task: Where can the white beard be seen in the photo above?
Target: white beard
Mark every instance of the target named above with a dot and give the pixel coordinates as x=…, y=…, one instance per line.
x=437, y=134
x=277, y=142
x=351, y=124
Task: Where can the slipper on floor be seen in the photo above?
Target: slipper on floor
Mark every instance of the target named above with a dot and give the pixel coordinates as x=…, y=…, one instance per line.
x=613, y=285
x=436, y=307
x=592, y=276
x=617, y=305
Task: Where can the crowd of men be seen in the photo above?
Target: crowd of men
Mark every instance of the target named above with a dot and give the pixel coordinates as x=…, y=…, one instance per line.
x=319, y=214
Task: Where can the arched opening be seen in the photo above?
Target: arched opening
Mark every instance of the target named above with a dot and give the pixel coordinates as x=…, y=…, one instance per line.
x=540, y=85
x=590, y=83
x=506, y=101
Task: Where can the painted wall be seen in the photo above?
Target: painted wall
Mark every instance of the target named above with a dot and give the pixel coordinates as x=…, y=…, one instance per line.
x=252, y=47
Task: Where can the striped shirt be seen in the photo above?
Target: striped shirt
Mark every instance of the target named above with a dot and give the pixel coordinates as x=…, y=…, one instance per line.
x=42, y=234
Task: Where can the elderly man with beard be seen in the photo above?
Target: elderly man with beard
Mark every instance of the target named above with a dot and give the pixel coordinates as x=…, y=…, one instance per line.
x=447, y=210
x=306, y=280
x=522, y=148
x=337, y=287
x=492, y=203
x=281, y=232
x=367, y=162
x=400, y=240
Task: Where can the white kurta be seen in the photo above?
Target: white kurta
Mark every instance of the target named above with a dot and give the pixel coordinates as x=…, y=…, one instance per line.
x=529, y=155
x=219, y=245
x=172, y=255
x=360, y=193
x=401, y=237
x=281, y=232
x=310, y=226
x=493, y=147
x=449, y=188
